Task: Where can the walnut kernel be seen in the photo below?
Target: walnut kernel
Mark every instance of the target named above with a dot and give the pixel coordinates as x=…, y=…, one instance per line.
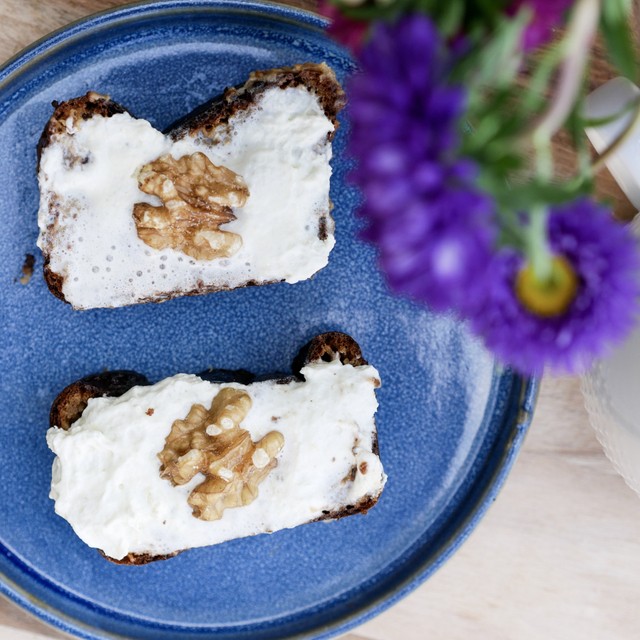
x=197, y=198
x=212, y=442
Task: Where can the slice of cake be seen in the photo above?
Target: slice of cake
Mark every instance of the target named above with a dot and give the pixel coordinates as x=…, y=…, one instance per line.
x=235, y=194
x=145, y=471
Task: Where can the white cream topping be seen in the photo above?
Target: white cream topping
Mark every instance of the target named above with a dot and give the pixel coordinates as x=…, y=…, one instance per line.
x=279, y=148
x=106, y=476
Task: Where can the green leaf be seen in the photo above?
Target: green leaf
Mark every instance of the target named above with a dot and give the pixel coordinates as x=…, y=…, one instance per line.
x=501, y=58
x=541, y=76
x=615, y=25
x=530, y=195
x=450, y=20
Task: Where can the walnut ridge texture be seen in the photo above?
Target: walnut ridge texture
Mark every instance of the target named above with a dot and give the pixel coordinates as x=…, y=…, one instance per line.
x=197, y=197
x=212, y=442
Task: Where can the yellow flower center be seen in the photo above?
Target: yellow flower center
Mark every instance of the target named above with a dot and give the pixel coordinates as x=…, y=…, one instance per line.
x=551, y=297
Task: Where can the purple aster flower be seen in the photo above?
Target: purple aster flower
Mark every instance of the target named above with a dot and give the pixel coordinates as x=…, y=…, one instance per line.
x=605, y=259
x=433, y=228
x=547, y=14
x=437, y=250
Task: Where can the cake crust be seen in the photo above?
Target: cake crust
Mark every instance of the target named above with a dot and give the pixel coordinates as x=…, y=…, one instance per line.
x=82, y=108
x=72, y=400
x=205, y=121
x=319, y=79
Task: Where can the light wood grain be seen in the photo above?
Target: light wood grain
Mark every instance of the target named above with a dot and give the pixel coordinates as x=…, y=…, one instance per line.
x=558, y=554
x=11, y=633
x=13, y=618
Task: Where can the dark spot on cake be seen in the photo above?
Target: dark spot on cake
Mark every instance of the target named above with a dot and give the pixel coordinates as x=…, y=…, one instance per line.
x=326, y=512
x=151, y=411
x=375, y=448
x=55, y=104
x=326, y=357
x=164, y=522
x=258, y=85
x=322, y=229
x=363, y=468
x=351, y=476
x=27, y=269
x=71, y=161
x=274, y=418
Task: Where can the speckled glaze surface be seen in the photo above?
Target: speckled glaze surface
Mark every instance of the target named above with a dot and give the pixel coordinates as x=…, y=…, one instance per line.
x=450, y=420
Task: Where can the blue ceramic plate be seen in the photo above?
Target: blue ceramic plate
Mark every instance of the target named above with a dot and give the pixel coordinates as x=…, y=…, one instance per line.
x=450, y=420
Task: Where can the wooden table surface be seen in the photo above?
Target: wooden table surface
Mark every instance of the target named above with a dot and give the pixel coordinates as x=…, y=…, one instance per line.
x=558, y=554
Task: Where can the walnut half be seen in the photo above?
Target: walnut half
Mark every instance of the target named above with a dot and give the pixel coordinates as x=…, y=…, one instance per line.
x=212, y=442
x=197, y=198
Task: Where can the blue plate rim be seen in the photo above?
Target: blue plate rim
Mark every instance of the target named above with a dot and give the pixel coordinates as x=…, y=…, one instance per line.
x=527, y=388
x=513, y=439
x=21, y=61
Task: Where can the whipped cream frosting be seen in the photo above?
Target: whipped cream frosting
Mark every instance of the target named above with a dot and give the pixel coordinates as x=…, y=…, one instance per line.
x=279, y=146
x=106, y=477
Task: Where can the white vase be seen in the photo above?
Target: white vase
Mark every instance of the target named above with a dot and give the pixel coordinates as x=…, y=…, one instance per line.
x=612, y=397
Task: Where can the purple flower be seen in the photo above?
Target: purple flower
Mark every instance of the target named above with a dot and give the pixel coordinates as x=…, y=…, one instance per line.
x=547, y=14
x=350, y=33
x=434, y=229
x=605, y=258
x=437, y=250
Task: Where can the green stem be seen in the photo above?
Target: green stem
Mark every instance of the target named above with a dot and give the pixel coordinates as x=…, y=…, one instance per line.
x=537, y=246
x=581, y=30
x=544, y=158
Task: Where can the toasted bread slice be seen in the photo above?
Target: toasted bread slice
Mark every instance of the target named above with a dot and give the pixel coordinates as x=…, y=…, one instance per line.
x=235, y=194
x=328, y=468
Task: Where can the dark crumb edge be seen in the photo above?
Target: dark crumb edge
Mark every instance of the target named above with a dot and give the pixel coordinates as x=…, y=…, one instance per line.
x=319, y=79
x=200, y=290
x=82, y=108
x=362, y=506
x=52, y=279
x=139, y=558
x=71, y=402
